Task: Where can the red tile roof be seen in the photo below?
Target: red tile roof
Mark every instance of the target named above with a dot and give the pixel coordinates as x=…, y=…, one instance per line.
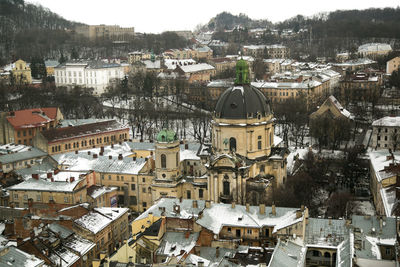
x=31, y=118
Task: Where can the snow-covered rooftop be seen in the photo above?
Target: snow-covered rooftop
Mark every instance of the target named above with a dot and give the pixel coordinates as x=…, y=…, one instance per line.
x=177, y=244
x=101, y=164
x=60, y=182
x=374, y=47
x=286, y=85
x=220, y=215
x=387, y=122
x=196, y=67
x=172, y=63
x=186, y=208
x=97, y=220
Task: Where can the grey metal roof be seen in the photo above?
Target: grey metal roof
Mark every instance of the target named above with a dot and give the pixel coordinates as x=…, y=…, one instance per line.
x=18, y=258
x=15, y=157
x=288, y=254
x=239, y=101
x=369, y=231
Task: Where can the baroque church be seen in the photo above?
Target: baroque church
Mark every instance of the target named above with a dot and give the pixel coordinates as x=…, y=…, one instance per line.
x=241, y=164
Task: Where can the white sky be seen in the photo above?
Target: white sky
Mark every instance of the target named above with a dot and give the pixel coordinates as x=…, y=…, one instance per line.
x=160, y=15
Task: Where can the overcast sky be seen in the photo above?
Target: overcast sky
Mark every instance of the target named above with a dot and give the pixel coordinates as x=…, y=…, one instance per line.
x=158, y=16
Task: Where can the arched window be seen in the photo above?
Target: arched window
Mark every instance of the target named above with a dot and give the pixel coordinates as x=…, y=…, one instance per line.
x=163, y=161
x=226, y=188
x=232, y=144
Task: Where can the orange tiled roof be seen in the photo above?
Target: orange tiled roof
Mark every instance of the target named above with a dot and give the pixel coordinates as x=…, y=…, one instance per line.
x=31, y=118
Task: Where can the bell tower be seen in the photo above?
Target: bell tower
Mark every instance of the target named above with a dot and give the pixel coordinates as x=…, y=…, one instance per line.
x=167, y=156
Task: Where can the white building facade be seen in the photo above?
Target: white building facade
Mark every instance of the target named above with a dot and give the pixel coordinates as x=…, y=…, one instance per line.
x=92, y=74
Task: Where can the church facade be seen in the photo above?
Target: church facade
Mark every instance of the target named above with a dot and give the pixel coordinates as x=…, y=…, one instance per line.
x=241, y=164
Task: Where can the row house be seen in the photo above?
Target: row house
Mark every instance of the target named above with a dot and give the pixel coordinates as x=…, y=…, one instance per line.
x=250, y=225
x=269, y=51
x=374, y=50
x=106, y=227
x=113, y=32
x=73, y=138
x=21, y=126
x=359, y=241
x=384, y=173
x=57, y=245
x=67, y=188
x=91, y=74
x=20, y=160
x=223, y=64
x=392, y=65
x=361, y=86
x=280, y=91
x=131, y=176
x=196, y=73
x=385, y=133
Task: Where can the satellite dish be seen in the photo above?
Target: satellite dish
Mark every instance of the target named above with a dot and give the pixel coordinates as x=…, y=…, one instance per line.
x=84, y=258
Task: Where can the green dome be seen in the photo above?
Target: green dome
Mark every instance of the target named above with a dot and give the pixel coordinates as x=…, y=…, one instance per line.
x=166, y=136
x=242, y=73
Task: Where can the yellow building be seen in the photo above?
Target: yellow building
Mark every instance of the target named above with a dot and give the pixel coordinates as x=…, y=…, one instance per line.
x=178, y=171
x=74, y=138
x=60, y=188
x=21, y=72
x=226, y=225
x=21, y=126
x=332, y=109
x=50, y=65
x=392, y=65
x=106, y=227
x=244, y=164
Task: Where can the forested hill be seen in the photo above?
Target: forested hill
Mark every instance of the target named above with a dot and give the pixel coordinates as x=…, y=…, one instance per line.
x=227, y=21
x=27, y=29
x=368, y=23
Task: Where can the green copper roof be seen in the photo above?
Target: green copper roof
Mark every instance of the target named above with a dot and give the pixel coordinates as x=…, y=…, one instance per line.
x=166, y=136
x=242, y=73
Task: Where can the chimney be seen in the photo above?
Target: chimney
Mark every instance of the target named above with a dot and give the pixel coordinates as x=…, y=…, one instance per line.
x=273, y=211
x=109, y=157
x=56, y=171
x=233, y=204
x=88, y=152
x=302, y=208
x=186, y=146
x=262, y=209
x=134, y=158
x=195, y=205
x=76, y=151
x=52, y=179
x=102, y=149
x=95, y=156
x=298, y=214
x=72, y=179
x=180, y=199
x=217, y=252
x=49, y=175
x=35, y=176
x=177, y=209
x=208, y=204
x=120, y=157
x=112, y=145
x=247, y=207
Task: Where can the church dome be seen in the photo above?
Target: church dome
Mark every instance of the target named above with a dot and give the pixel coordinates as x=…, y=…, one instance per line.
x=242, y=101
